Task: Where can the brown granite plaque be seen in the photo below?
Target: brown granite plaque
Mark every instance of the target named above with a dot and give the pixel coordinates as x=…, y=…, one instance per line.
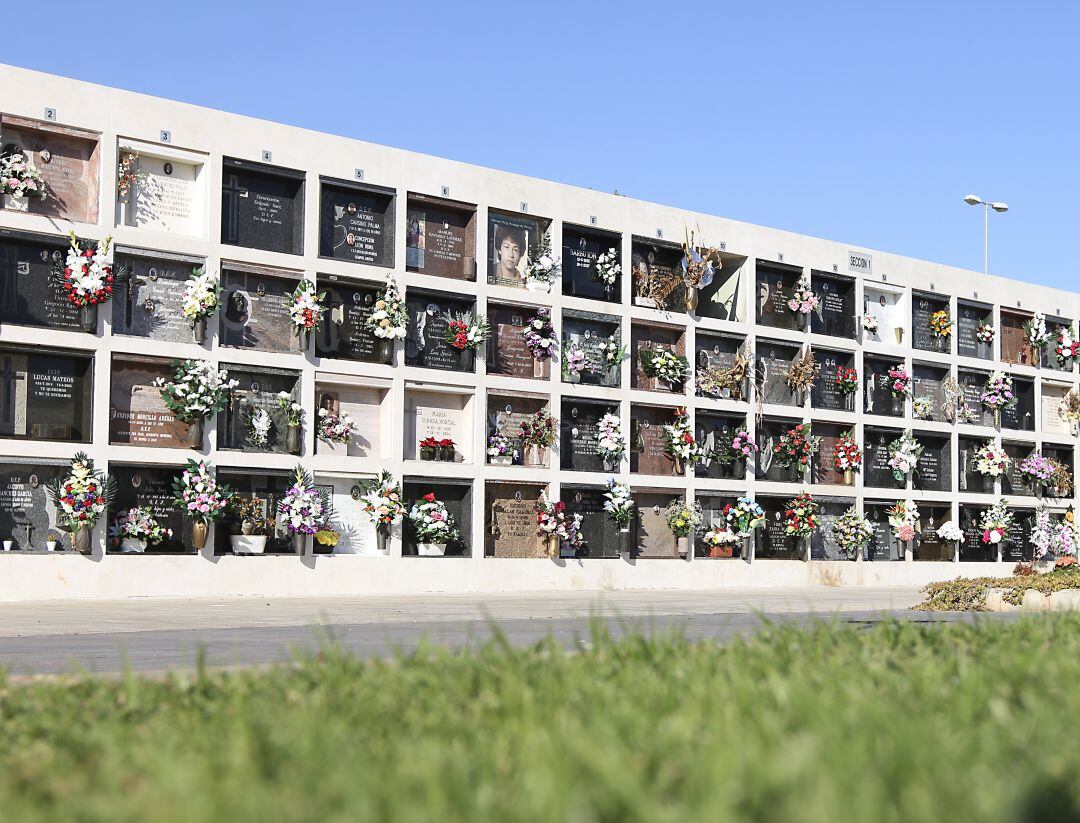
x=646, y=440
x=511, y=521
x=68, y=161
x=655, y=337
x=654, y=537
x=1014, y=345
x=507, y=352
x=255, y=308
x=440, y=238
x=137, y=414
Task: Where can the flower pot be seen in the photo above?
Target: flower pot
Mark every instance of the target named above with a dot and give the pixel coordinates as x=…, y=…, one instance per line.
x=299, y=543
x=997, y=418
x=80, y=539
x=538, y=368
x=849, y=477
x=88, y=318
x=198, y=330
x=382, y=538
x=611, y=464
x=14, y=203
x=8, y=544
x=248, y=543
x=804, y=321
x=572, y=377
x=502, y=460
x=691, y=299
x=535, y=455
x=988, y=484
x=130, y=545
x=537, y=285
x=898, y=406
x=726, y=550
x=899, y=335
x=50, y=545
x=676, y=466
x=431, y=549
x=623, y=538
x=553, y=544
x=195, y=434
x=447, y=454
x=303, y=338
x=647, y=302
x=199, y=531
x=385, y=349
x=247, y=527
x=428, y=452
x=292, y=439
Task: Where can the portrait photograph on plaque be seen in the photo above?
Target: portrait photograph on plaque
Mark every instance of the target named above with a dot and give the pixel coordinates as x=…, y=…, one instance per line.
x=510, y=240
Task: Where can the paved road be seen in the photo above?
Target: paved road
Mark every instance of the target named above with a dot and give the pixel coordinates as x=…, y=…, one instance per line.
x=159, y=635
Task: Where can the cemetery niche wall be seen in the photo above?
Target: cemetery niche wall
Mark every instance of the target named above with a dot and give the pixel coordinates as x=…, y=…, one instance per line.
x=440, y=237
x=648, y=339
x=969, y=316
x=656, y=269
x=456, y=496
x=148, y=300
x=647, y=455
x=591, y=334
x=600, y=533
x=714, y=432
x=29, y=293
x=262, y=206
x=46, y=394
x=161, y=190
x=775, y=283
x=356, y=222
x=835, y=314
x=580, y=248
x=150, y=487
x=507, y=352
x=579, y=431
x=823, y=545
x=771, y=370
x=826, y=392
x=507, y=411
x=255, y=308
x=924, y=305
x=138, y=415
x=720, y=299
x=426, y=344
x=254, y=511
x=885, y=307
x=27, y=517
x=363, y=400
x=253, y=420
x=927, y=544
x=510, y=520
x=344, y=333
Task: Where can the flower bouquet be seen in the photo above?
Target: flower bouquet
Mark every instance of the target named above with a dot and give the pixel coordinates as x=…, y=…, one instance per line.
x=380, y=500
x=852, y=532
x=991, y=460
x=666, y=365
x=305, y=310
x=611, y=441
x=197, y=494
x=869, y=323
x=304, y=508
x=573, y=361
x=542, y=267
x=1037, y=335
x=899, y=382
x=196, y=390
x=1061, y=484
x=743, y=516
x=795, y=449
x=996, y=523
x=922, y=407
x=608, y=269
x=540, y=337
x=202, y=296
x=735, y=447
x=19, y=181
x=537, y=436
x=611, y=354
x=724, y=382
x=678, y=441
x=683, y=520
x=802, y=516
x=466, y=333
x=950, y=532
x=81, y=498
x=801, y=375
x=294, y=418
x=1068, y=347
x=1038, y=469
x=551, y=523
x=619, y=504
x=720, y=542
x=998, y=394
x=802, y=300
x=698, y=267
x=903, y=517
x=847, y=380
x=847, y=456
x=904, y=454
x=940, y=324
x=87, y=277
x=258, y=423
x=134, y=529
x=433, y=525
x=501, y=450
x=984, y=333
x=389, y=318
x=335, y=429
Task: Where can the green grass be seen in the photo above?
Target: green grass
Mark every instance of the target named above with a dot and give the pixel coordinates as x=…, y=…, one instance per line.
x=896, y=723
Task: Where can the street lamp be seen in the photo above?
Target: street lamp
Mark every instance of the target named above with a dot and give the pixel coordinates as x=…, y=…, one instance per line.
x=975, y=200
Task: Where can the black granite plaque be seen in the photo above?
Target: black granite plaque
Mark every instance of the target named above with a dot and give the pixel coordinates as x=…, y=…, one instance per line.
x=262, y=207
x=344, y=332
x=934, y=469
x=269, y=489
x=876, y=470
x=823, y=545
x=928, y=381
x=457, y=497
x=599, y=530
x=579, y=431
x=258, y=389
x=356, y=223
x=826, y=393
x=27, y=517
x=835, y=314
x=591, y=331
x=923, y=307
x=972, y=549
x=712, y=517
x=1014, y=482
x=773, y=361
x=927, y=545
x=972, y=384
x=426, y=343
x=775, y=285
x=29, y=293
x=1017, y=548
x=46, y=395
x=151, y=486
x=971, y=481
x=771, y=541
x=149, y=298
x=968, y=318
x=255, y=310
x=877, y=389
x=769, y=432
x=1063, y=454
x=580, y=248
x=713, y=432
x=657, y=270
x=883, y=545
x=1049, y=360
x=1022, y=415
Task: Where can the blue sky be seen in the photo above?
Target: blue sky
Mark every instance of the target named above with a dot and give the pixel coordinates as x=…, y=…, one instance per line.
x=865, y=123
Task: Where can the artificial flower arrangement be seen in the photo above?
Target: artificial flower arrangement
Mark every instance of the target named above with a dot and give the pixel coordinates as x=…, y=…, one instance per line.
x=573, y=359
x=743, y=516
x=683, y=520
x=717, y=538
x=847, y=380
x=922, y=407
x=847, y=456
x=202, y=295
x=903, y=517
x=463, y=331
x=575, y=538
x=802, y=300
x=336, y=429
x=197, y=493
x=904, y=454
x=1064, y=538
x=306, y=307
x=950, y=532
x=1069, y=410
x=81, y=497
x=431, y=521
x=259, y=424
x=611, y=353
x=20, y=178
x=501, y=449
x=127, y=172
x=443, y=449
x=666, y=365
x=87, y=276
x=998, y=393
x=293, y=411
x=1038, y=469
x=539, y=430
x=542, y=266
x=380, y=500
x=550, y=521
x=1061, y=484
x=1036, y=333
x=1068, y=347
x=539, y=334
x=698, y=265
x=991, y=460
x=619, y=504
x=984, y=333
x=196, y=390
x=869, y=323
x=389, y=318
x=610, y=438
x=608, y=268
x=802, y=372
x=852, y=532
x=304, y=508
x=724, y=381
x=678, y=440
x=796, y=448
x=1040, y=536
x=802, y=516
x=996, y=523
x=137, y=527
x=899, y=381
x=739, y=446
x=940, y=324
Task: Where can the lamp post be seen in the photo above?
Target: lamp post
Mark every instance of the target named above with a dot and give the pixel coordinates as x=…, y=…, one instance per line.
x=975, y=200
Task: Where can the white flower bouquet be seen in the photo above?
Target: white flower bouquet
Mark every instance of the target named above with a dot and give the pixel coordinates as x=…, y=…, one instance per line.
x=389, y=319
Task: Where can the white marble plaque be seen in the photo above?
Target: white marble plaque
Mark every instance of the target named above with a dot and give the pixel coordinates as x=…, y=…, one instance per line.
x=165, y=197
